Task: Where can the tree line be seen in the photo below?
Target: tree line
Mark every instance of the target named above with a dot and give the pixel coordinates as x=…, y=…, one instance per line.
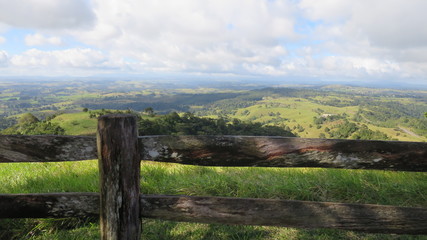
x=28, y=124
x=189, y=124
x=151, y=124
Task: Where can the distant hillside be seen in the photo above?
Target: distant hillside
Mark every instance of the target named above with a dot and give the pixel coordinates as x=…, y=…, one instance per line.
x=84, y=123
x=363, y=113
x=76, y=123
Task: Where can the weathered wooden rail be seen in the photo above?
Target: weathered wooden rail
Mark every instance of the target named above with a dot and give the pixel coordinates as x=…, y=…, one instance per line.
x=120, y=204
x=230, y=151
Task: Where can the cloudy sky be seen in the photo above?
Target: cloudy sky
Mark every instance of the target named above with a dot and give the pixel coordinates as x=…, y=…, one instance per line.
x=336, y=39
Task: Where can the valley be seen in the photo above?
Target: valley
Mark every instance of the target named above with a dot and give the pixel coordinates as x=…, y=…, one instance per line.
x=331, y=111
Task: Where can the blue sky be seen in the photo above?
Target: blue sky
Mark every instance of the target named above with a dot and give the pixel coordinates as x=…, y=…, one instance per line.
x=364, y=40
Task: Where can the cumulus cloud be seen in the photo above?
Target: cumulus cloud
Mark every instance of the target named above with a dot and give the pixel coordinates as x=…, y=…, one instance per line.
x=84, y=58
x=384, y=23
x=4, y=58
x=46, y=14
x=308, y=38
x=38, y=39
x=375, y=35
x=190, y=35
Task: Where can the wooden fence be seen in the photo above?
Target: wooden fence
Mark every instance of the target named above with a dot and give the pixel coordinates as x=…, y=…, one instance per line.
x=120, y=205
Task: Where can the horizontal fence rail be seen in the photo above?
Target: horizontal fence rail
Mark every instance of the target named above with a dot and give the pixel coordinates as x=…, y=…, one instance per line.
x=248, y=211
x=230, y=151
x=46, y=148
x=286, y=152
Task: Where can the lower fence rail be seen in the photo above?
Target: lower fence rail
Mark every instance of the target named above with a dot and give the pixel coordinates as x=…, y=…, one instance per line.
x=247, y=211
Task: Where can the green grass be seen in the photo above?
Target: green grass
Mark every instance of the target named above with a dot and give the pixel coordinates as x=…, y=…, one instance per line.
x=301, y=111
x=352, y=186
x=76, y=123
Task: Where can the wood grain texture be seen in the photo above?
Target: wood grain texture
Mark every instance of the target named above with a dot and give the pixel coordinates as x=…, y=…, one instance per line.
x=286, y=152
x=302, y=214
x=119, y=170
x=49, y=205
x=231, y=151
x=46, y=148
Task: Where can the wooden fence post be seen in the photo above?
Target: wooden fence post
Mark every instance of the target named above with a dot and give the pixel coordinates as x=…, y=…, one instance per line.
x=119, y=168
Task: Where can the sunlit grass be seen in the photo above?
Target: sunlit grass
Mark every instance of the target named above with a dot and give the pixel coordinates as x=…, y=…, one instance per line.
x=76, y=123
x=351, y=186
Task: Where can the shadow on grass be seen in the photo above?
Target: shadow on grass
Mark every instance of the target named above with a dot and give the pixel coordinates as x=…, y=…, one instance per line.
x=19, y=229
x=158, y=229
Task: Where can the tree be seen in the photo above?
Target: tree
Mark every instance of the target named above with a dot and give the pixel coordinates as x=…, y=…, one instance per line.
x=35, y=128
x=149, y=111
x=344, y=130
x=189, y=124
x=366, y=134
x=27, y=118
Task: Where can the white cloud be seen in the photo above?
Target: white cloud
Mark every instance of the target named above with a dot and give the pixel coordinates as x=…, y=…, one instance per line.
x=46, y=14
x=274, y=38
x=358, y=66
x=384, y=23
x=70, y=58
x=4, y=58
x=377, y=36
x=38, y=39
x=191, y=35
x=2, y=40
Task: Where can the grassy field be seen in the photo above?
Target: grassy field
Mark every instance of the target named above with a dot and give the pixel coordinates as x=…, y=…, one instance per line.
x=76, y=123
x=299, y=111
x=357, y=186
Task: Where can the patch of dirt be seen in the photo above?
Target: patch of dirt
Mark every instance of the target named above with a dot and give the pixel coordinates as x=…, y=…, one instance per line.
x=410, y=132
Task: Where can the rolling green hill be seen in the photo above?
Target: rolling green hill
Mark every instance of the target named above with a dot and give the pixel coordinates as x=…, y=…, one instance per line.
x=76, y=123
x=377, y=113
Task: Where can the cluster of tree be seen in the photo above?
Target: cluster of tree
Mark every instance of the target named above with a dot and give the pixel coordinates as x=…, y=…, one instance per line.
x=28, y=124
x=348, y=129
x=227, y=106
x=418, y=125
x=386, y=112
x=344, y=130
x=393, y=114
x=138, y=106
x=6, y=122
x=335, y=102
x=164, y=103
x=330, y=118
x=364, y=133
x=299, y=128
x=189, y=124
x=98, y=113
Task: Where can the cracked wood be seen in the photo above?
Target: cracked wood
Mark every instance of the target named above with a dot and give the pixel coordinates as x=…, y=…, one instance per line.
x=285, y=152
x=248, y=211
x=119, y=170
x=231, y=151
